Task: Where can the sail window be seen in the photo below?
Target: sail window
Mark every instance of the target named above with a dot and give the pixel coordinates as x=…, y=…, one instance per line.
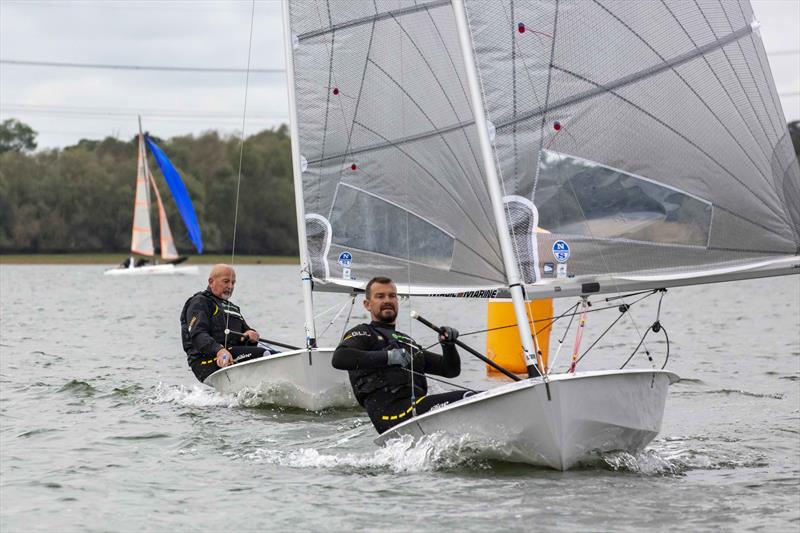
x=522, y=221
x=318, y=242
x=364, y=221
x=581, y=197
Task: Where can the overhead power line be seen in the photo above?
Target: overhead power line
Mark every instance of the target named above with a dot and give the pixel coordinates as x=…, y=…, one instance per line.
x=122, y=111
x=58, y=64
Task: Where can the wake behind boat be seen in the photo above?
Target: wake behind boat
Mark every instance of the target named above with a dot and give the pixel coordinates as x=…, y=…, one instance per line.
x=142, y=259
x=302, y=378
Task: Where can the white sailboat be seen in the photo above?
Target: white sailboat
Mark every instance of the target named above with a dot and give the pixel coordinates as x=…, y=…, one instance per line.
x=542, y=149
x=142, y=231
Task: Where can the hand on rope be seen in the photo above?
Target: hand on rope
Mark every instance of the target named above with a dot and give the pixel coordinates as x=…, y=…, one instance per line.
x=251, y=335
x=398, y=357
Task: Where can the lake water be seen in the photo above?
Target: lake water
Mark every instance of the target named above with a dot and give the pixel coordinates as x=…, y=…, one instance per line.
x=104, y=428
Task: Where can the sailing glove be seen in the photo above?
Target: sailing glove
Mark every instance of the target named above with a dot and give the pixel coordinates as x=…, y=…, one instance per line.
x=398, y=357
x=447, y=335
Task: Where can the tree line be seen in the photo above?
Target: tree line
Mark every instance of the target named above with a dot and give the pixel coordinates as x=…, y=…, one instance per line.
x=79, y=199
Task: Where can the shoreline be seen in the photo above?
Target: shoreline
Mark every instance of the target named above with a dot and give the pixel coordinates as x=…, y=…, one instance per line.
x=112, y=259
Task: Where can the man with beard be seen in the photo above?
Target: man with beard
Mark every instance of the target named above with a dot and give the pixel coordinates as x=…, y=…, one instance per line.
x=383, y=362
x=213, y=330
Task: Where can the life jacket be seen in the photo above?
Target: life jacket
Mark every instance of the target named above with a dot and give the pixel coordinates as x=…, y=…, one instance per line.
x=220, y=314
x=390, y=379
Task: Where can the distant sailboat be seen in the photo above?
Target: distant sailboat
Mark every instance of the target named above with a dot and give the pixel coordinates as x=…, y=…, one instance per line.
x=142, y=232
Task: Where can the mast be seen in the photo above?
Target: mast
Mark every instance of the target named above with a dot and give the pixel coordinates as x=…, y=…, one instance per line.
x=305, y=266
x=495, y=192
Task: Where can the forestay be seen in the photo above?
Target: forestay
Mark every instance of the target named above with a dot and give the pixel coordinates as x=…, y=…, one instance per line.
x=643, y=140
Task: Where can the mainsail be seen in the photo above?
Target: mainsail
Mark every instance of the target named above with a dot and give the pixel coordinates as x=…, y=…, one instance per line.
x=649, y=135
x=142, y=233
x=633, y=140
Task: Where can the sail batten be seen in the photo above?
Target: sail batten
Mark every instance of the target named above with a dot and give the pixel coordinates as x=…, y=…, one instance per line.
x=393, y=14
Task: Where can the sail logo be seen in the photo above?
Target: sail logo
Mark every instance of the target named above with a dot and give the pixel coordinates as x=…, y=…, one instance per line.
x=345, y=259
x=561, y=251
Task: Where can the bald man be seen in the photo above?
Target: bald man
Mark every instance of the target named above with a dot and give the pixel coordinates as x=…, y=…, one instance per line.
x=213, y=330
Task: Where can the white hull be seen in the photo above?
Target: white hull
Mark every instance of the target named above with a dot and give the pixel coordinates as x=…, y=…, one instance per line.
x=166, y=269
x=587, y=412
x=296, y=378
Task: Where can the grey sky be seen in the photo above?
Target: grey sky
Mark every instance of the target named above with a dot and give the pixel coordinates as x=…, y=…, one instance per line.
x=67, y=104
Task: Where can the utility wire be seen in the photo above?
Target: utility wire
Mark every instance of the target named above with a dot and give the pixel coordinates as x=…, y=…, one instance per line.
x=155, y=110
x=59, y=64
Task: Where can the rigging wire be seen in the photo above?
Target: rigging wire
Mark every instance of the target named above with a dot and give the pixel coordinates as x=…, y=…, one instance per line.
x=623, y=309
x=451, y=384
x=564, y=336
x=241, y=152
x=349, y=312
x=159, y=68
x=564, y=314
x=408, y=235
x=332, y=320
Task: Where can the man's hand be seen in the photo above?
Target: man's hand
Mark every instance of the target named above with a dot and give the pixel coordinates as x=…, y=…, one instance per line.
x=398, y=357
x=224, y=358
x=251, y=335
x=447, y=335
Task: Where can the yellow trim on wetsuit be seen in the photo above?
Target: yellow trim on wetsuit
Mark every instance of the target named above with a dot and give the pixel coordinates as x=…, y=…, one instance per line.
x=404, y=413
x=208, y=362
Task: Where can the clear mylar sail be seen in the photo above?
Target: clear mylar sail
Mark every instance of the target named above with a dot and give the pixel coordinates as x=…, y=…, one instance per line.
x=633, y=140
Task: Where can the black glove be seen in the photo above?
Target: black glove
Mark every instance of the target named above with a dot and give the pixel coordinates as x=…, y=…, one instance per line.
x=448, y=335
x=398, y=357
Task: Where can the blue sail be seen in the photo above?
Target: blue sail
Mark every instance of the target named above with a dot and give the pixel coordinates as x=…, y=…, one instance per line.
x=179, y=193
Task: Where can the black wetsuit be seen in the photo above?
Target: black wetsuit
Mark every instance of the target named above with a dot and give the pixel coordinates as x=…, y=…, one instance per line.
x=203, y=322
x=385, y=391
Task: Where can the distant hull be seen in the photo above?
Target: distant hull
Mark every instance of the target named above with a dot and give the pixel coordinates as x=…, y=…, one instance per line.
x=587, y=412
x=296, y=378
x=167, y=269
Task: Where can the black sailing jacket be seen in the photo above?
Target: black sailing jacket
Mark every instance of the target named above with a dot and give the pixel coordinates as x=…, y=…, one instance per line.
x=362, y=352
x=203, y=322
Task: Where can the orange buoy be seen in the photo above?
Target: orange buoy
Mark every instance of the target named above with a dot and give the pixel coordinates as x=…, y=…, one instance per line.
x=503, y=345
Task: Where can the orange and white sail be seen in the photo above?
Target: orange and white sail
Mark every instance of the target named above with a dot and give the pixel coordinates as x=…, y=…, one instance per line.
x=168, y=250
x=142, y=236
